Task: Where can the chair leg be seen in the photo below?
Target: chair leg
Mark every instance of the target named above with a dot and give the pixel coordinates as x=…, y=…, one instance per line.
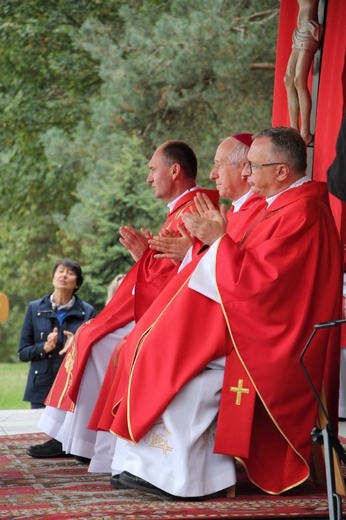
x=231, y=492
x=318, y=457
x=318, y=471
x=339, y=479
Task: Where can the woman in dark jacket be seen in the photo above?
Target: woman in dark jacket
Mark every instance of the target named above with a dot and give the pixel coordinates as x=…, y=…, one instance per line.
x=47, y=325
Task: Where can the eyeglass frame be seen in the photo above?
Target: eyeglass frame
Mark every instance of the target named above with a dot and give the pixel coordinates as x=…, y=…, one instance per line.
x=250, y=165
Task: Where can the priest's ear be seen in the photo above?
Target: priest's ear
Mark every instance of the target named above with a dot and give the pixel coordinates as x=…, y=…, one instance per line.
x=283, y=172
x=175, y=169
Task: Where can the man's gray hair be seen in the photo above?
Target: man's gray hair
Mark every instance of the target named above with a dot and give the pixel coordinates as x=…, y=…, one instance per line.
x=239, y=152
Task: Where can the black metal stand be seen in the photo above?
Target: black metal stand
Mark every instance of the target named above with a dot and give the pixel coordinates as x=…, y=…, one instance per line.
x=327, y=436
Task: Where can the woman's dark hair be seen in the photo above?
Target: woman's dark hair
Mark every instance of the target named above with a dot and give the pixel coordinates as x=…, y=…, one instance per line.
x=74, y=266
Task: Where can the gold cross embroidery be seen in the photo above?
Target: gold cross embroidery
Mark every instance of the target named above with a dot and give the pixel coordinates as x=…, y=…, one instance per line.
x=240, y=390
x=157, y=441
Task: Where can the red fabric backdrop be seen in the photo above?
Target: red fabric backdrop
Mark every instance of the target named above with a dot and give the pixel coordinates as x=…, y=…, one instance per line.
x=331, y=94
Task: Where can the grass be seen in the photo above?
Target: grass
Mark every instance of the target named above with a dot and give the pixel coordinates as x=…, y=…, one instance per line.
x=12, y=385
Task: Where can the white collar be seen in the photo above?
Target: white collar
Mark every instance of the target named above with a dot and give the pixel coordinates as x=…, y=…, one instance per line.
x=173, y=203
x=239, y=202
x=295, y=184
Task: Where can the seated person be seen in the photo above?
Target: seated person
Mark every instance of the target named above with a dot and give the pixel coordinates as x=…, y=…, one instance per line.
x=172, y=176
x=225, y=346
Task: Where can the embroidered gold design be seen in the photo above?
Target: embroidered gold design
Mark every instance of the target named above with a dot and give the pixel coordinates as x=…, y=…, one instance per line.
x=208, y=437
x=239, y=390
x=158, y=438
x=69, y=362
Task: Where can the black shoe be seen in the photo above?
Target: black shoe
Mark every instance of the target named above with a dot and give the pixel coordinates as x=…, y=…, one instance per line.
x=82, y=460
x=131, y=481
x=48, y=449
x=115, y=482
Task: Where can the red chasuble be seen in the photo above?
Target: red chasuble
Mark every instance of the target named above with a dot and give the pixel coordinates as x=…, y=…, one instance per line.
x=285, y=278
x=151, y=274
x=116, y=380
x=282, y=278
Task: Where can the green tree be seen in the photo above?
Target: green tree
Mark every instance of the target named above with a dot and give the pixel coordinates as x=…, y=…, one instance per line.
x=88, y=91
x=187, y=87
x=47, y=81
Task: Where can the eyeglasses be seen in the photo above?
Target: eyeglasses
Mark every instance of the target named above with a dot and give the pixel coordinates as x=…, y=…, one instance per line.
x=251, y=165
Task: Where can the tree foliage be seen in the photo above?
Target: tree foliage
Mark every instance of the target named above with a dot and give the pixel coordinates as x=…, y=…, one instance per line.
x=88, y=90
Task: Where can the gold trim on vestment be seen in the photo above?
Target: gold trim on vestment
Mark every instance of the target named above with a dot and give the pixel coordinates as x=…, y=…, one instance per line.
x=178, y=213
x=137, y=351
x=266, y=216
x=68, y=364
x=243, y=463
x=121, y=437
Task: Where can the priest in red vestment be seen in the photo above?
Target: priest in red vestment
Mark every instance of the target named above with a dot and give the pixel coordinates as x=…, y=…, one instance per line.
x=230, y=158
x=151, y=272
x=255, y=302
x=172, y=176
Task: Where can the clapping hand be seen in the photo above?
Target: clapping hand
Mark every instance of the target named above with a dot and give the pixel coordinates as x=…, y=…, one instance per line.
x=136, y=242
x=207, y=223
x=172, y=244
x=69, y=341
